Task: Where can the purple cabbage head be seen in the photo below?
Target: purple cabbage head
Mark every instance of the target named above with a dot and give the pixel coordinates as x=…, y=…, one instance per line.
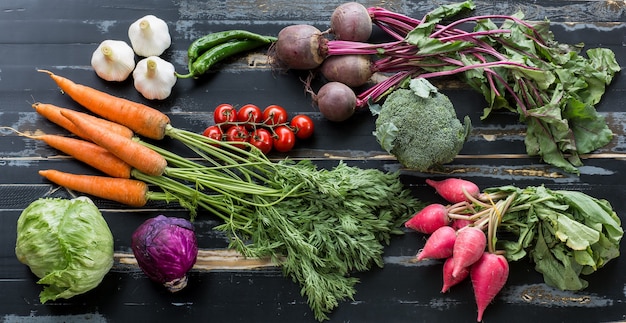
x=166, y=249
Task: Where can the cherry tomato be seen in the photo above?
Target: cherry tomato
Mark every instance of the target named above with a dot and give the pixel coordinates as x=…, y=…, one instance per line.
x=285, y=139
x=250, y=113
x=224, y=113
x=213, y=132
x=237, y=133
x=262, y=139
x=302, y=125
x=274, y=114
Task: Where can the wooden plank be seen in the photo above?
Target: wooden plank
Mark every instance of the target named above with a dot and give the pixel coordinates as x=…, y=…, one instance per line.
x=224, y=287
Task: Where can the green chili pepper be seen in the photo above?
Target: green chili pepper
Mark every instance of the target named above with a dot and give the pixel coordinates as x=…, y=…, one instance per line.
x=220, y=52
x=202, y=44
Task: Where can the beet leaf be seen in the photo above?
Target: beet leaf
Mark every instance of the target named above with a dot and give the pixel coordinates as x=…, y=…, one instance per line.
x=517, y=66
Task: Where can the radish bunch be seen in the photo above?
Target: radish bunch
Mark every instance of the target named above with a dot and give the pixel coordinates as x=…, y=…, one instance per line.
x=569, y=230
x=467, y=249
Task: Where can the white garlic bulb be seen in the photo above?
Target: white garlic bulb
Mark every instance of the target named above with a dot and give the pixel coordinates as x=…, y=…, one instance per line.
x=154, y=78
x=113, y=60
x=149, y=36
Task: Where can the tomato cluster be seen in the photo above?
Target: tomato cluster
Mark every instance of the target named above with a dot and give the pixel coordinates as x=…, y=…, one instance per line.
x=265, y=129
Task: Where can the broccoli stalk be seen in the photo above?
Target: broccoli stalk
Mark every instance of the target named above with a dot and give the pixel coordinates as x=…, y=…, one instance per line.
x=419, y=126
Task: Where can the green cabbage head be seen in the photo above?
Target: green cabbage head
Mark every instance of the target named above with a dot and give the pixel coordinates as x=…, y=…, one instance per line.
x=66, y=243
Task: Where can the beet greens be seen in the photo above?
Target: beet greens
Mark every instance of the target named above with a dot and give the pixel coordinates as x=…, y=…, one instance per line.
x=517, y=66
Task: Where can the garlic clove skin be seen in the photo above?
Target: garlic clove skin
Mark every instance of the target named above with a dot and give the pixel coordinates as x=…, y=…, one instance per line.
x=113, y=60
x=154, y=78
x=149, y=36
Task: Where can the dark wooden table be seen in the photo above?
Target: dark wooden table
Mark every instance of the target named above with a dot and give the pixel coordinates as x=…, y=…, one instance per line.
x=60, y=36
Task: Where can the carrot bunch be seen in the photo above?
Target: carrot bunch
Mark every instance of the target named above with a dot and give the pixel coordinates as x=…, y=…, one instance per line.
x=112, y=145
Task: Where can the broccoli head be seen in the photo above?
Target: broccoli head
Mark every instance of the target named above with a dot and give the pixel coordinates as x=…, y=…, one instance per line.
x=419, y=126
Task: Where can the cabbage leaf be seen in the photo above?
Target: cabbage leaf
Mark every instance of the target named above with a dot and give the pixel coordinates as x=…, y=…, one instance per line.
x=66, y=243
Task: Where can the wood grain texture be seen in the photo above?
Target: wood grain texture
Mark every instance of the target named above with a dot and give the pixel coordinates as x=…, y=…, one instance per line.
x=224, y=288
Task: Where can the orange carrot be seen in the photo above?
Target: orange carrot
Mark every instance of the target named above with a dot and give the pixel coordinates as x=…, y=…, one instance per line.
x=135, y=154
x=142, y=119
x=130, y=192
x=89, y=153
x=53, y=113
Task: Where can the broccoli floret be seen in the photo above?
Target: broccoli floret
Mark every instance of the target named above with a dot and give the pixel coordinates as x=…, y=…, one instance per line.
x=419, y=126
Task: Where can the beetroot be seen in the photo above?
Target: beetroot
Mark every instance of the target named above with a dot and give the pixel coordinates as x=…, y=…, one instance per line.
x=488, y=274
x=429, y=219
x=439, y=245
x=336, y=101
x=451, y=189
x=351, y=21
x=351, y=70
x=468, y=248
x=448, y=279
x=300, y=47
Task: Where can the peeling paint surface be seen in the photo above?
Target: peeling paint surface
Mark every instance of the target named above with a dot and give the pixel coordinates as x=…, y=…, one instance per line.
x=78, y=318
x=542, y=295
x=225, y=286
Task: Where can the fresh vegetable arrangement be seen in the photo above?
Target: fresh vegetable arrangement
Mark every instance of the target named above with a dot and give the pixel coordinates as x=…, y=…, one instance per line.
x=297, y=214
x=566, y=234
x=289, y=211
x=517, y=66
x=66, y=243
x=154, y=77
x=268, y=129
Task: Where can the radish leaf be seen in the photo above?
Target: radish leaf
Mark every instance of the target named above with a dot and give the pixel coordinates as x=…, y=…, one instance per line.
x=560, y=273
x=566, y=233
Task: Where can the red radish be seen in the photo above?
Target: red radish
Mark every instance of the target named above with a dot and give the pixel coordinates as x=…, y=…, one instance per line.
x=448, y=279
x=299, y=47
x=460, y=223
x=336, y=101
x=488, y=274
x=351, y=21
x=351, y=70
x=451, y=189
x=429, y=219
x=468, y=248
x=439, y=245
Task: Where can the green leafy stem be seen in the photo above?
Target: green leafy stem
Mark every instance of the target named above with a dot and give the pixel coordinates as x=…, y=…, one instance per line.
x=566, y=233
x=517, y=66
